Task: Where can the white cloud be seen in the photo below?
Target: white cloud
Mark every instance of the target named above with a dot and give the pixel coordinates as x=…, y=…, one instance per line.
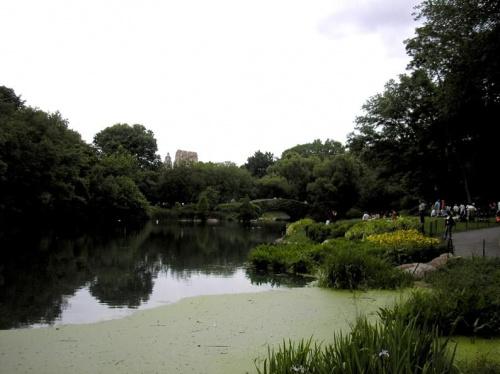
x=224, y=78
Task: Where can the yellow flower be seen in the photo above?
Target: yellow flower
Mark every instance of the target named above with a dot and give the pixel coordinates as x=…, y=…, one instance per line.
x=402, y=238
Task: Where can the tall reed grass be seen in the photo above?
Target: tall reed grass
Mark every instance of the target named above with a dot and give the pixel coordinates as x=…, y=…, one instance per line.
x=392, y=347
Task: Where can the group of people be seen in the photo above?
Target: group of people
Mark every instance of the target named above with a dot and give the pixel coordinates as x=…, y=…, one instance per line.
x=463, y=212
x=389, y=216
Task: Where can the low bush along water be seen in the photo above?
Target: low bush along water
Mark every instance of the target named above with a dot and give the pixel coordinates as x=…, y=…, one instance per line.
x=365, y=260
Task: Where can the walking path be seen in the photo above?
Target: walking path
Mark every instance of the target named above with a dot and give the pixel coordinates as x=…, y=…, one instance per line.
x=471, y=243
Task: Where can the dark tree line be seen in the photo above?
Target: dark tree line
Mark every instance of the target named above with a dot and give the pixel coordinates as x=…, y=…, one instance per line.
x=432, y=133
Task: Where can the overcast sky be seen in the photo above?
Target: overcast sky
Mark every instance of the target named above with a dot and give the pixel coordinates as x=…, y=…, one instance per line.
x=224, y=78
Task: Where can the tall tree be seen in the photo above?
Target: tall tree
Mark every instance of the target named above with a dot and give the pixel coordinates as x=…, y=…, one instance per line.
x=431, y=131
x=336, y=180
x=297, y=171
x=136, y=140
x=459, y=46
x=317, y=148
x=43, y=165
x=396, y=136
x=258, y=163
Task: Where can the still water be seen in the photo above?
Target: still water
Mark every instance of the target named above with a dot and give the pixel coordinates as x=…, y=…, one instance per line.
x=91, y=278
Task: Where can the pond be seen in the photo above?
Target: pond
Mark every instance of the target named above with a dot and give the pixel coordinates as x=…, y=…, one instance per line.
x=55, y=280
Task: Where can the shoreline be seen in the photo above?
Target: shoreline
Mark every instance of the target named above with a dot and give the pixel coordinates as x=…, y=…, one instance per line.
x=202, y=334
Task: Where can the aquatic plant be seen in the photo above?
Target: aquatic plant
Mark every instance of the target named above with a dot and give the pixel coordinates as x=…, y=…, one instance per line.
x=393, y=347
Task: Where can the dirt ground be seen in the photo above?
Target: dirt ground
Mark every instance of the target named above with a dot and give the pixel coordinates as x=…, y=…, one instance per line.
x=206, y=334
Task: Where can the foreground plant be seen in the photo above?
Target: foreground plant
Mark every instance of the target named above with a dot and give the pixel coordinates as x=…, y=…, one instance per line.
x=393, y=347
x=353, y=269
x=464, y=298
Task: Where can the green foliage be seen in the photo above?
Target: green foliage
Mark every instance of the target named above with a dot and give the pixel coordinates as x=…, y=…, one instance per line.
x=9, y=101
x=135, y=140
x=319, y=232
x=481, y=364
x=273, y=186
x=299, y=226
x=309, y=231
x=405, y=246
x=257, y=164
x=43, y=166
x=336, y=179
x=380, y=226
x=422, y=122
x=395, y=347
x=297, y=171
x=203, y=207
x=223, y=182
x=287, y=257
x=248, y=210
x=465, y=299
x=317, y=149
x=295, y=209
x=347, y=267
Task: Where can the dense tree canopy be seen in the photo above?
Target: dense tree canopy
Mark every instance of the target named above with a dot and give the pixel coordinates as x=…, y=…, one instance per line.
x=136, y=140
x=43, y=165
x=257, y=164
x=432, y=133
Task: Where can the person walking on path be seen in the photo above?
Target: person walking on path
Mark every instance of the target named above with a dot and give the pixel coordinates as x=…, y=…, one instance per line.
x=449, y=222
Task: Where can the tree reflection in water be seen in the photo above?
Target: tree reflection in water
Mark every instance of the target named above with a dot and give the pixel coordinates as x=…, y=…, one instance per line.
x=41, y=277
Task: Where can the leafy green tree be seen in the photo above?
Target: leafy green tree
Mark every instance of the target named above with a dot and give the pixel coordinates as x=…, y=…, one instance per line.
x=116, y=199
x=203, y=207
x=43, y=165
x=271, y=186
x=336, y=179
x=9, y=101
x=136, y=140
x=458, y=46
x=258, y=163
x=297, y=171
x=248, y=210
x=317, y=148
x=185, y=182
x=395, y=137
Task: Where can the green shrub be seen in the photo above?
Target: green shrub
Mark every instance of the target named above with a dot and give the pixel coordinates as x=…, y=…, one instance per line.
x=158, y=213
x=287, y=257
x=379, y=226
x=319, y=232
x=316, y=232
x=295, y=209
x=465, y=299
x=395, y=347
x=350, y=268
x=354, y=213
x=228, y=207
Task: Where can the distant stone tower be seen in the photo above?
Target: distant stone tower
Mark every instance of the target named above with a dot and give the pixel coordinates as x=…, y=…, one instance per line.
x=168, y=161
x=185, y=156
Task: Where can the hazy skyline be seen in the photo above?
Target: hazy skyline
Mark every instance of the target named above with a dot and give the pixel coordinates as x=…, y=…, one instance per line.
x=223, y=78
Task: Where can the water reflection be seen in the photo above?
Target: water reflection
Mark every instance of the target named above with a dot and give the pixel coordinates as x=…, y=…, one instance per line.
x=95, y=277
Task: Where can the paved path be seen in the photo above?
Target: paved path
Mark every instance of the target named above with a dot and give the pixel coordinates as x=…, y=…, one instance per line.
x=469, y=243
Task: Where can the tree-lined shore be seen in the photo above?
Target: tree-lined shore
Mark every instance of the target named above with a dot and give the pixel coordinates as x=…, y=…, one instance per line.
x=430, y=134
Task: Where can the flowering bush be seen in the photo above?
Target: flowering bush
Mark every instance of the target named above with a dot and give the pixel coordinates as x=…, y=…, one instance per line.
x=402, y=239
x=405, y=246
x=363, y=229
